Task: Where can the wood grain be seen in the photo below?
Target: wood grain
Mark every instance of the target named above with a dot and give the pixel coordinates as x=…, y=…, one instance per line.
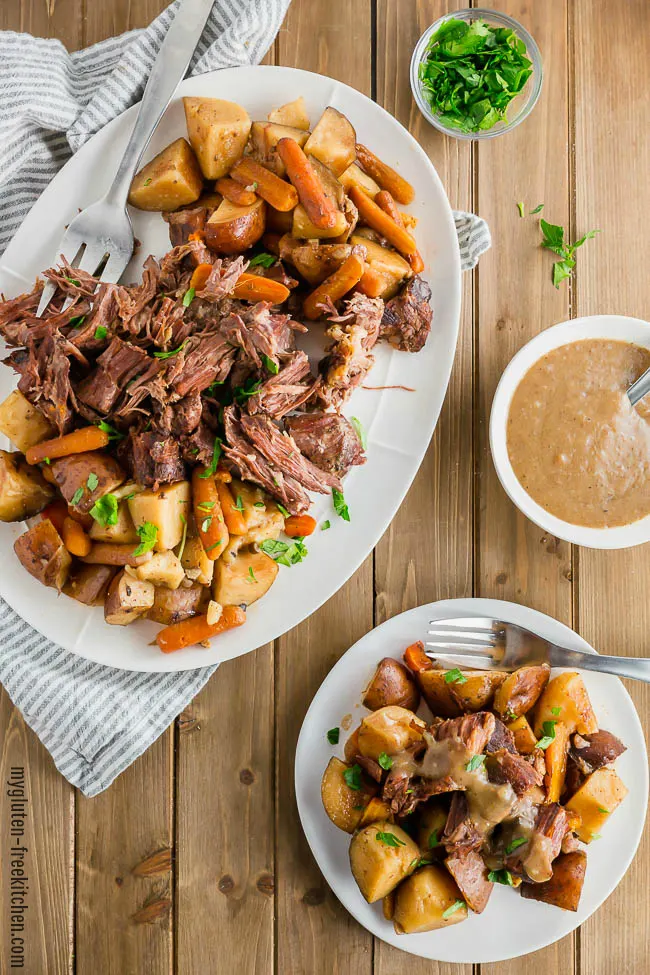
x=314, y=933
x=516, y=300
x=610, y=52
x=427, y=553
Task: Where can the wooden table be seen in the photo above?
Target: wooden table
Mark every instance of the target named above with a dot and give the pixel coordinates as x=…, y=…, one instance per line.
x=194, y=862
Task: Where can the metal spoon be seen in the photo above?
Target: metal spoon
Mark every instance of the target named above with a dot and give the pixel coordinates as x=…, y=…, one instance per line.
x=639, y=388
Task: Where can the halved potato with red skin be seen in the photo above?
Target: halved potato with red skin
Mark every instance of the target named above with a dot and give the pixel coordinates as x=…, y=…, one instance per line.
x=391, y=684
x=520, y=691
x=42, y=552
x=174, y=605
x=232, y=229
x=565, y=886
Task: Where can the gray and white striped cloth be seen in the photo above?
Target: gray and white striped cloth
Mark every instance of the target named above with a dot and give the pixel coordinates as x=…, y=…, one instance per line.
x=95, y=720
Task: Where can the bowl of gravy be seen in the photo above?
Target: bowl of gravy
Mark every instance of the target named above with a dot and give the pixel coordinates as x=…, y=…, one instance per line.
x=568, y=447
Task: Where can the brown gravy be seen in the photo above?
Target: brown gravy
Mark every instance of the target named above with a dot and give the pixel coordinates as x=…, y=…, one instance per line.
x=575, y=444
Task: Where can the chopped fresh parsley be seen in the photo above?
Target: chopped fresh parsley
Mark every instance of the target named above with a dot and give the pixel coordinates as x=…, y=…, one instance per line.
x=340, y=507
x=475, y=762
x=549, y=735
x=181, y=547
x=105, y=510
x=455, y=676
x=352, y=778
x=264, y=259
x=251, y=574
x=46, y=460
x=516, y=843
x=520, y=207
x=282, y=553
x=147, y=181
x=242, y=393
x=206, y=506
x=385, y=761
x=553, y=240
x=501, y=877
x=538, y=208
x=595, y=836
x=188, y=297
x=556, y=711
x=211, y=469
x=419, y=862
x=239, y=504
x=168, y=355
x=212, y=547
x=259, y=504
x=471, y=73
x=283, y=511
x=456, y=906
x=148, y=534
x=77, y=496
x=271, y=366
x=73, y=281
x=333, y=736
x=212, y=389
x=205, y=524
x=361, y=431
x=433, y=841
x=389, y=839
x=325, y=526
x=101, y=332
x=92, y=481
x=601, y=809
x=77, y=321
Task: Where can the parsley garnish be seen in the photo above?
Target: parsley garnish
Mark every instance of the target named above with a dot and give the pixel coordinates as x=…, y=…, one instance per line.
x=239, y=504
x=520, y=207
x=538, y=208
x=259, y=504
x=73, y=281
x=77, y=321
x=251, y=574
x=205, y=524
x=148, y=534
x=206, y=506
x=340, y=507
x=553, y=240
x=455, y=676
x=325, y=526
x=385, y=761
x=216, y=454
x=168, y=355
x=475, y=762
x=101, y=332
x=271, y=366
x=264, y=259
x=147, y=181
x=181, y=547
x=77, y=496
x=283, y=511
x=549, y=735
x=282, y=553
x=519, y=841
x=452, y=910
x=188, y=297
x=501, y=877
x=352, y=777
x=242, y=393
x=333, y=736
x=46, y=460
x=113, y=434
x=389, y=839
x=595, y=836
x=556, y=711
x=92, y=481
x=212, y=388
x=105, y=510
x=601, y=809
x=433, y=841
x=216, y=545
x=361, y=431
x=419, y=862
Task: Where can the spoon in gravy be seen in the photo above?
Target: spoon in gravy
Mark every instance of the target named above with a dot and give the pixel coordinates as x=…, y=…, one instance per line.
x=639, y=388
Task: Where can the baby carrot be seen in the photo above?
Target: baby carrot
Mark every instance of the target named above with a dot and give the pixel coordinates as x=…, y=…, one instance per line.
x=232, y=513
x=255, y=287
x=416, y=659
x=196, y=629
x=77, y=442
x=277, y=192
x=200, y=275
x=297, y=526
x=376, y=218
x=75, y=539
x=320, y=208
x=385, y=175
x=388, y=205
x=208, y=514
x=232, y=191
x=338, y=284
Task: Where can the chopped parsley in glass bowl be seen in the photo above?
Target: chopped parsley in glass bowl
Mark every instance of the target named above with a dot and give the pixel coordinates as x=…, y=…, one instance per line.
x=476, y=74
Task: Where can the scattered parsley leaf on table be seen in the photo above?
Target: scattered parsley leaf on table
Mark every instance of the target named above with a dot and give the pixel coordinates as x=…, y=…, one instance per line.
x=553, y=240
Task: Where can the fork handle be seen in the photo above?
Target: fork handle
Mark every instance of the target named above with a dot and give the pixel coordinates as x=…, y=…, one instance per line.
x=167, y=73
x=636, y=668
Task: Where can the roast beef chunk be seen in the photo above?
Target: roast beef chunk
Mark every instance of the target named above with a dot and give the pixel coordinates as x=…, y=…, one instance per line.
x=406, y=321
x=570, y=843
x=285, y=391
x=572, y=780
x=45, y=381
x=503, y=766
x=348, y=359
x=155, y=459
x=471, y=876
x=182, y=223
x=537, y=857
x=328, y=440
x=186, y=415
x=130, y=301
x=460, y=834
x=591, y=752
x=370, y=766
x=198, y=447
x=502, y=739
x=116, y=368
x=204, y=360
x=473, y=730
x=15, y=309
x=281, y=451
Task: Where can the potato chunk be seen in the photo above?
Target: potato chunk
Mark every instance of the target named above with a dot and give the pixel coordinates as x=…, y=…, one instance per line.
x=424, y=899
x=196, y=564
x=381, y=856
x=313, y=260
x=389, y=730
x=525, y=741
x=520, y=691
x=596, y=799
x=391, y=684
x=232, y=229
x=127, y=599
x=23, y=490
x=163, y=569
x=123, y=531
x=450, y=699
x=218, y=131
x=565, y=886
x=171, y=180
x=84, y=478
x=430, y=826
x=293, y=113
x=391, y=266
x=42, y=552
x=88, y=583
x=22, y=423
x=302, y=226
x=343, y=805
x=555, y=757
x=333, y=141
x=566, y=699
x=165, y=508
x=174, y=605
x=354, y=176
x=244, y=579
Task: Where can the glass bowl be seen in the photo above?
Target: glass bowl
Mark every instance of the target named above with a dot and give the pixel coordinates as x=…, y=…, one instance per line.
x=522, y=104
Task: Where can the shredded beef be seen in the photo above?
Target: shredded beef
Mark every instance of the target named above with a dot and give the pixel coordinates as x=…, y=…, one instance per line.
x=502, y=738
x=461, y=833
x=45, y=380
x=222, y=279
x=116, y=367
x=471, y=876
x=591, y=752
x=406, y=321
x=280, y=450
x=328, y=440
x=204, y=360
x=348, y=359
x=504, y=766
x=155, y=459
x=473, y=730
x=285, y=391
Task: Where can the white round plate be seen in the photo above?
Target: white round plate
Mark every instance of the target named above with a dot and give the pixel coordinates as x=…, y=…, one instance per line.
x=510, y=925
x=399, y=423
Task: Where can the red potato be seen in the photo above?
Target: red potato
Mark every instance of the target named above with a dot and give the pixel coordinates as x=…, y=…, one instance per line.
x=115, y=553
x=391, y=684
x=127, y=599
x=88, y=583
x=173, y=605
x=42, y=552
x=232, y=229
x=84, y=478
x=564, y=889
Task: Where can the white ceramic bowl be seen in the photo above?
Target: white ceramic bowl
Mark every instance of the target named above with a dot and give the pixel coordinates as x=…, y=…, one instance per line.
x=612, y=327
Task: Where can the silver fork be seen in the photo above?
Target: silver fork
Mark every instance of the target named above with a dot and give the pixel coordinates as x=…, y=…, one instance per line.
x=477, y=641
x=103, y=230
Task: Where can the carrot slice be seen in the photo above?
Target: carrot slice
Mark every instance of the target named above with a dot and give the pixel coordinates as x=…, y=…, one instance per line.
x=376, y=218
x=231, y=510
x=388, y=205
x=196, y=629
x=75, y=539
x=57, y=512
x=298, y=526
x=200, y=275
x=232, y=191
x=416, y=659
x=338, y=284
x=320, y=208
x=255, y=287
x=208, y=514
x=371, y=283
x=77, y=442
x=385, y=175
x=277, y=192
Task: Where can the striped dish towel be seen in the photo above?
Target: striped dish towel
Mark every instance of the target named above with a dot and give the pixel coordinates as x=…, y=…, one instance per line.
x=96, y=720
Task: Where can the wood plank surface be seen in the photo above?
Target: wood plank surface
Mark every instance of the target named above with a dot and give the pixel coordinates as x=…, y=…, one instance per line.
x=314, y=933
x=610, y=47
